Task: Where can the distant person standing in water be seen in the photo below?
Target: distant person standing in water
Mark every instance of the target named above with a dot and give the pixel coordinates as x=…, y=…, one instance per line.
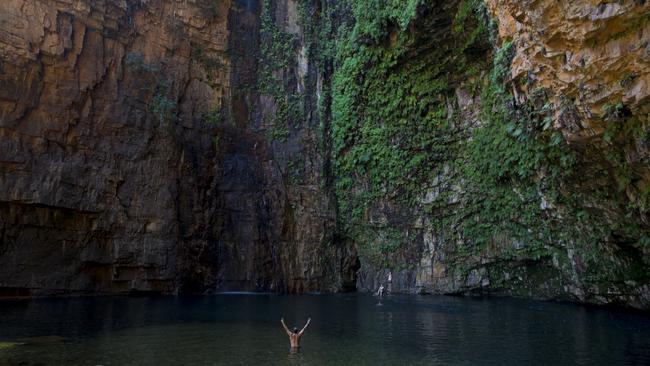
x=295, y=334
x=380, y=292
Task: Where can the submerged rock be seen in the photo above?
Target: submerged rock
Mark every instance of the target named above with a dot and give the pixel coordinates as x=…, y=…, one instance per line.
x=9, y=345
x=41, y=340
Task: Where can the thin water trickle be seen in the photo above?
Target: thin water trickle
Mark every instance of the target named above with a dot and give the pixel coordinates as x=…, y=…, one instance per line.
x=240, y=329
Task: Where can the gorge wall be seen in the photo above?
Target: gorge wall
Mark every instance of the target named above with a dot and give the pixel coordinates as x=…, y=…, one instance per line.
x=499, y=147
x=137, y=154
x=191, y=146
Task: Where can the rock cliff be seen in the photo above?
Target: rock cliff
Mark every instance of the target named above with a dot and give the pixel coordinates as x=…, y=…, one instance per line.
x=137, y=153
x=497, y=147
x=465, y=147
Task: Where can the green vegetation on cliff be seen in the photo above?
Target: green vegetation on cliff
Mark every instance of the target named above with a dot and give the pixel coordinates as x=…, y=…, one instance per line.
x=393, y=129
x=495, y=181
x=278, y=50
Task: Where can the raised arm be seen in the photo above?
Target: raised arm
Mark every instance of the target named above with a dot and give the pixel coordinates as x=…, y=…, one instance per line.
x=285, y=327
x=305, y=327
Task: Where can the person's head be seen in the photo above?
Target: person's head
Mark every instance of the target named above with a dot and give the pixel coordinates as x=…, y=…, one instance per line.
x=295, y=330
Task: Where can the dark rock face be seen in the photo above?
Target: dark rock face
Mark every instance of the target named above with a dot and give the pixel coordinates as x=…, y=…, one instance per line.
x=276, y=214
x=133, y=156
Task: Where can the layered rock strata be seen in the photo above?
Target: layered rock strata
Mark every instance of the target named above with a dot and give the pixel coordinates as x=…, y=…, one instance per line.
x=134, y=156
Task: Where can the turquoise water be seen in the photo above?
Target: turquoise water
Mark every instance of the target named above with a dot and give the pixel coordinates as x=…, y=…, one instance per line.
x=346, y=330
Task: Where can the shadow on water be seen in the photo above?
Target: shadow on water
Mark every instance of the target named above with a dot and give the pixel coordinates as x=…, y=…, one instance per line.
x=346, y=329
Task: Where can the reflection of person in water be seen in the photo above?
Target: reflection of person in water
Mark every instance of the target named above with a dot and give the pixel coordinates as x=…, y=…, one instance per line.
x=390, y=283
x=295, y=334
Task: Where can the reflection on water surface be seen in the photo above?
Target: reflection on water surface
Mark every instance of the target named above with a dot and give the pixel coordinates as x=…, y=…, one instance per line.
x=346, y=330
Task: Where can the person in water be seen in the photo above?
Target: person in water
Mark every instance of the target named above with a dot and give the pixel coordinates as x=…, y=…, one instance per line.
x=295, y=334
x=380, y=291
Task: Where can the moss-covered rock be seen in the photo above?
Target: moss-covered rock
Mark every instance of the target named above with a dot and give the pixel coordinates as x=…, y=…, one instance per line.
x=457, y=181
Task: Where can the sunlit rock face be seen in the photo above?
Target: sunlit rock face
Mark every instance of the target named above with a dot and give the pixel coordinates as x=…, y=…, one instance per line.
x=590, y=54
x=591, y=60
x=134, y=153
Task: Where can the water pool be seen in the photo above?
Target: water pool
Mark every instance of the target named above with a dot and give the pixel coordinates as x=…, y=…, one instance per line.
x=346, y=329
